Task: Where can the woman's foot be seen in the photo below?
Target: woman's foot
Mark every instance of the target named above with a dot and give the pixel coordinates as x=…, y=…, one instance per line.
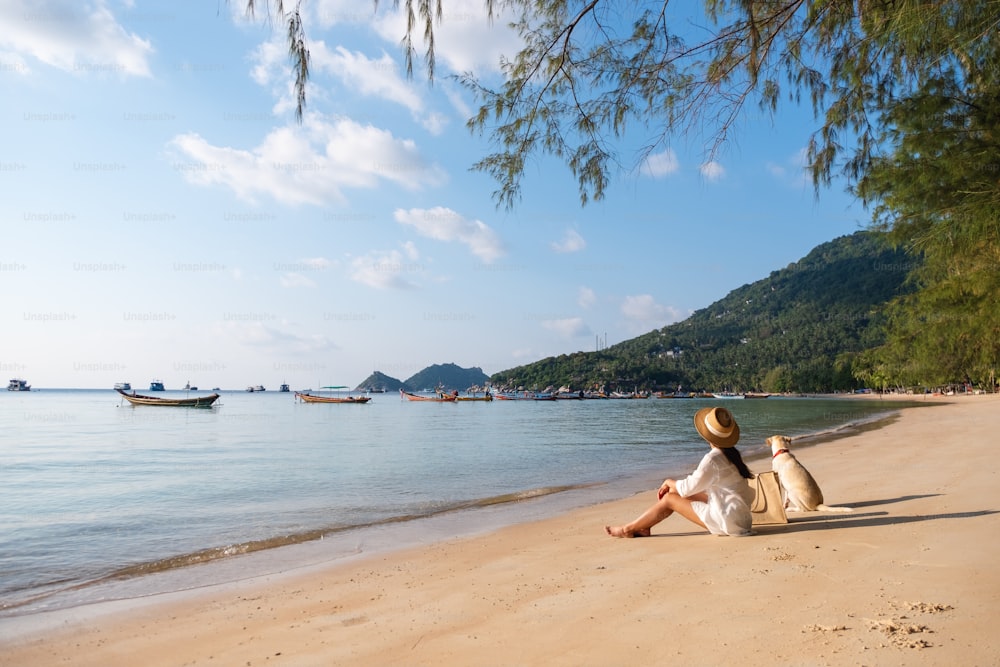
x=622, y=531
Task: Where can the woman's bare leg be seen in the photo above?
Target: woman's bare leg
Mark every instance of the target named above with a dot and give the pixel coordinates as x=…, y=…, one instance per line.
x=659, y=511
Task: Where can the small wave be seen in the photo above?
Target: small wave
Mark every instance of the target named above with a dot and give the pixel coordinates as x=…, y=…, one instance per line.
x=870, y=423
x=221, y=552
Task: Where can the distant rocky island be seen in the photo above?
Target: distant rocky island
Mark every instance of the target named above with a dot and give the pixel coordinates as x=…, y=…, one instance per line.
x=444, y=376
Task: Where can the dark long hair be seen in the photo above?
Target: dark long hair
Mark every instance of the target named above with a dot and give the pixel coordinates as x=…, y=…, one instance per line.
x=734, y=457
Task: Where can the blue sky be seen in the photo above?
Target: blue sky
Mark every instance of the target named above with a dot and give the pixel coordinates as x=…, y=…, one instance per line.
x=164, y=216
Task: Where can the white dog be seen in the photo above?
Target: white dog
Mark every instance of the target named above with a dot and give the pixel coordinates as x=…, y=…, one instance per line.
x=802, y=493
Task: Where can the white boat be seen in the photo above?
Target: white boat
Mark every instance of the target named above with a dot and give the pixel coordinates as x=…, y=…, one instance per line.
x=124, y=386
x=17, y=384
x=727, y=394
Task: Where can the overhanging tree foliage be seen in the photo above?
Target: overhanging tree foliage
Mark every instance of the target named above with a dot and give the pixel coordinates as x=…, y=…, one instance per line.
x=876, y=72
x=590, y=70
x=938, y=193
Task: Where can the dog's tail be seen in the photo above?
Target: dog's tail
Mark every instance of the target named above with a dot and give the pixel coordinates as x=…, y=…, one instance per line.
x=827, y=508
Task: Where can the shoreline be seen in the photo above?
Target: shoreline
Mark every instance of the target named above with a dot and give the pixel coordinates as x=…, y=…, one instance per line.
x=556, y=590
x=235, y=563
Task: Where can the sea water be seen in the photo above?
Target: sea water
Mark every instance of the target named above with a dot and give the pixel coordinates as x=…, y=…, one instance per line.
x=101, y=499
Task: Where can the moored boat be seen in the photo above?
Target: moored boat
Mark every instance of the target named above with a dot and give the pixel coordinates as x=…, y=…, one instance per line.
x=17, y=384
x=191, y=402
x=526, y=396
x=312, y=398
x=124, y=386
x=156, y=385
x=445, y=398
x=485, y=398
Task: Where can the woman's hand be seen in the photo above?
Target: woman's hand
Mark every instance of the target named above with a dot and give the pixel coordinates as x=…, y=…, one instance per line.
x=665, y=488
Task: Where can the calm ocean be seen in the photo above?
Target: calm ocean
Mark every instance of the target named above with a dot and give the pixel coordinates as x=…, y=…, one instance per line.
x=103, y=500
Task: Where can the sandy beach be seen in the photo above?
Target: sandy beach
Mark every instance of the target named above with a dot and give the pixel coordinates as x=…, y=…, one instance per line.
x=908, y=577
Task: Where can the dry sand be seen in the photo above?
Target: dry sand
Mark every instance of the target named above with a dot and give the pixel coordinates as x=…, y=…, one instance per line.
x=909, y=577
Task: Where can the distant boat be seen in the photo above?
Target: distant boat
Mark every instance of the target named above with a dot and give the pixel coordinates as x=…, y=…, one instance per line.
x=256, y=387
x=445, y=398
x=283, y=387
x=196, y=402
x=188, y=387
x=726, y=394
x=156, y=385
x=124, y=386
x=756, y=394
x=567, y=395
x=17, y=384
x=487, y=397
x=526, y=396
x=311, y=398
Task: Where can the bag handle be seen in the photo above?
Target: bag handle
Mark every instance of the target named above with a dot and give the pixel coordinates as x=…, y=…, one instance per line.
x=759, y=500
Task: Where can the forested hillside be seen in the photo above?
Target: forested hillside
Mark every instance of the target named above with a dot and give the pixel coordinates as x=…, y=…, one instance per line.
x=799, y=329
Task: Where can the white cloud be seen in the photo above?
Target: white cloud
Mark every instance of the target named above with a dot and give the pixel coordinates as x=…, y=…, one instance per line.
x=443, y=224
x=570, y=327
x=385, y=270
x=795, y=172
x=434, y=123
x=643, y=310
x=308, y=164
x=316, y=263
x=82, y=38
x=372, y=77
x=295, y=280
x=712, y=171
x=571, y=242
x=329, y=13
x=465, y=40
x=260, y=334
x=662, y=164
x=270, y=61
x=585, y=297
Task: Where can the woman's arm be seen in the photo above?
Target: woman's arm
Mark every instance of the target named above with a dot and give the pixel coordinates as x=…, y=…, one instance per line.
x=667, y=486
x=703, y=478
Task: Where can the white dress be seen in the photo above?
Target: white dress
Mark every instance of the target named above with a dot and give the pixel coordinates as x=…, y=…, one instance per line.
x=727, y=511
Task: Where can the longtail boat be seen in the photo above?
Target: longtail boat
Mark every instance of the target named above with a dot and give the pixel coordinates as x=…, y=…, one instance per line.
x=525, y=396
x=196, y=402
x=445, y=398
x=309, y=398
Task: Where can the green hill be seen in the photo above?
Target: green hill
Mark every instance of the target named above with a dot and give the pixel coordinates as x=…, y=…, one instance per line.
x=444, y=376
x=378, y=381
x=448, y=377
x=796, y=330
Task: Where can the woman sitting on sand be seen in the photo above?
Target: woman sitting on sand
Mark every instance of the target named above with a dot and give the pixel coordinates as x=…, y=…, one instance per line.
x=715, y=496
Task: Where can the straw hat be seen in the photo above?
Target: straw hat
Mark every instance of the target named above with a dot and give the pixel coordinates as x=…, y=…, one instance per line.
x=717, y=426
